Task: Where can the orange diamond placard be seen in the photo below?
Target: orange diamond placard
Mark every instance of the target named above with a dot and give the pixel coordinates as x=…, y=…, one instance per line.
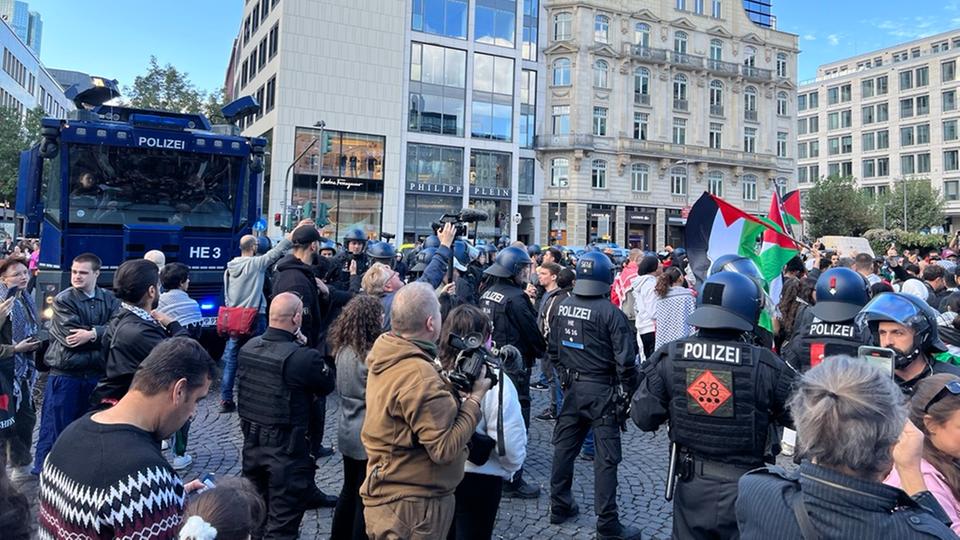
x=708, y=391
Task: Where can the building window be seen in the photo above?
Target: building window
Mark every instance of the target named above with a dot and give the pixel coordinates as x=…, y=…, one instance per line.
x=431, y=164
x=802, y=102
x=866, y=115
x=846, y=144
x=640, y=126
x=749, y=182
x=680, y=92
x=598, y=174
x=528, y=107
x=600, y=121
x=271, y=99
x=750, y=104
x=681, y=4
x=678, y=181
x=883, y=112
x=923, y=134
x=906, y=108
x=716, y=49
x=782, y=104
x=679, y=131
x=495, y=22
x=802, y=175
x=641, y=35
x=559, y=172
x=833, y=95
x=922, y=76
x=781, y=144
x=906, y=80
x=868, y=141
x=923, y=105
x=951, y=160
x=640, y=177
x=882, y=86
x=562, y=26
x=907, y=164
x=950, y=130
x=561, y=72
x=441, y=17
x=601, y=29
x=950, y=100
x=948, y=71
x=750, y=140
x=531, y=24
x=883, y=166
x=274, y=40
x=561, y=119
x=641, y=86
x=716, y=9
x=923, y=163
x=680, y=42
x=716, y=98
x=492, y=107
x=951, y=190
x=814, y=124
x=600, y=68
x=883, y=140
x=716, y=135
x=802, y=150
x=715, y=183
x=437, y=83
x=698, y=7
x=750, y=56
x=866, y=88
x=781, y=65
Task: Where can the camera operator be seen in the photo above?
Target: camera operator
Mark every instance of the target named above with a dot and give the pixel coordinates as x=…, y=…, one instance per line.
x=514, y=323
x=415, y=432
x=478, y=495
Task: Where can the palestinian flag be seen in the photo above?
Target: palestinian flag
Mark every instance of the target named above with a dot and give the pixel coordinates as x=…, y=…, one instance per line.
x=716, y=227
x=791, y=208
x=776, y=250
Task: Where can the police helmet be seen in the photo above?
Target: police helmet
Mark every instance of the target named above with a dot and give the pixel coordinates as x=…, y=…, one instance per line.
x=728, y=300
x=503, y=241
x=490, y=249
x=423, y=259
x=354, y=235
x=841, y=294
x=382, y=252
x=905, y=310
x=533, y=250
x=738, y=264
x=510, y=260
x=461, y=255
x=263, y=245
x=328, y=245
x=432, y=241
x=594, y=275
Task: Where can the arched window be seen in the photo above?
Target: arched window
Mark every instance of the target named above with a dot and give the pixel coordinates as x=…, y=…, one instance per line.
x=781, y=65
x=680, y=87
x=781, y=185
x=750, y=100
x=782, y=104
x=641, y=85
x=600, y=68
x=716, y=93
x=715, y=183
x=716, y=49
x=749, y=187
x=641, y=34
x=559, y=172
x=680, y=42
x=640, y=177
x=678, y=181
x=598, y=174
x=562, y=26
x=561, y=72
x=601, y=29
x=749, y=56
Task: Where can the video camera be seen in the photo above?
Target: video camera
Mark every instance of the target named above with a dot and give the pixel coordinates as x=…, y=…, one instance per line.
x=467, y=215
x=471, y=359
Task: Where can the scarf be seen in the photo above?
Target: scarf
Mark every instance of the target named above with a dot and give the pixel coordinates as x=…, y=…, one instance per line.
x=24, y=319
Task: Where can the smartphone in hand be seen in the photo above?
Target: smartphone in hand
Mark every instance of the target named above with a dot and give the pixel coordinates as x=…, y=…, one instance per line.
x=12, y=291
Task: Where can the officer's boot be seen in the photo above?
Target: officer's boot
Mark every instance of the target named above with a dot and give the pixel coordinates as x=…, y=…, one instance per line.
x=626, y=532
x=519, y=489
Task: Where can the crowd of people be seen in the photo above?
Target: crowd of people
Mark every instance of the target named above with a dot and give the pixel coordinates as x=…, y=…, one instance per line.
x=852, y=367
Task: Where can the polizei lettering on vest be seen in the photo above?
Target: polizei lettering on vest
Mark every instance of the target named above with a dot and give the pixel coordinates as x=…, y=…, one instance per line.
x=712, y=351
x=575, y=312
x=828, y=329
x=154, y=142
x=492, y=296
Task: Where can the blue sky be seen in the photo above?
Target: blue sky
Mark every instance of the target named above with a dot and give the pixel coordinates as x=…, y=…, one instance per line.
x=836, y=29
x=115, y=38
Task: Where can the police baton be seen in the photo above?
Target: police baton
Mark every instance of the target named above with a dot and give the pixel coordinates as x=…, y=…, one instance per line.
x=672, y=472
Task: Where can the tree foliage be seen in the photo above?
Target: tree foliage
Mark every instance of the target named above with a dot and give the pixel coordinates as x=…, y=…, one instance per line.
x=17, y=133
x=834, y=206
x=166, y=88
x=880, y=240
x=924, y=206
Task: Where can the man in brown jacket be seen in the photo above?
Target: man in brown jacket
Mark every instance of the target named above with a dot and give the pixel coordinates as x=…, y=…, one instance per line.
x=416, y=430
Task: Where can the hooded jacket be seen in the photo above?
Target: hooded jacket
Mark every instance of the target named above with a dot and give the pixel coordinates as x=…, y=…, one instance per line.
x=415, y=432
x=244, y=276
x=294, y=276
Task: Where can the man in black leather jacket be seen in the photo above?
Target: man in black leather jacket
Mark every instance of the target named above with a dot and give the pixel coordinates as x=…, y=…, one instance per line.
x=75, y=355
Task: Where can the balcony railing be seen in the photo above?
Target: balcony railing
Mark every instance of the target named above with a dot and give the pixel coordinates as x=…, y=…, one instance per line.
x=648, y=53
x=695, y=153
x=684, y=59
x=723, y=68
x=680, y=104
x=716, y=110
x=556, y=142
x=756, y=74
x=750, y=116
x=641, y=99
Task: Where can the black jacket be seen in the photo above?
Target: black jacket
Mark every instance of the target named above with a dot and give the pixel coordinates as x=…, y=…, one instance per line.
x=514, y=319
x=293, y=276
x=305, y=374
x=73, y=309
x=126, y=343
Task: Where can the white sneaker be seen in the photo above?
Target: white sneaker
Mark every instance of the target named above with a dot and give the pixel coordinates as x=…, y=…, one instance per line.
x=182, y=462
x=165, y=444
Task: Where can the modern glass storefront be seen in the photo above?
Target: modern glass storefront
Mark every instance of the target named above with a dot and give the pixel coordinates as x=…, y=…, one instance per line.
x=601, y=223
x=641, y=227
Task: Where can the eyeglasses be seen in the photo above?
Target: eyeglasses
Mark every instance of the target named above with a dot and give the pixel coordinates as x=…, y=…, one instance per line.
x=952, y=387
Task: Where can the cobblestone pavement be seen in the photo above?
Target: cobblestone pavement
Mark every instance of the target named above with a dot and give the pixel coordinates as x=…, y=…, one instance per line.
x=215, y=443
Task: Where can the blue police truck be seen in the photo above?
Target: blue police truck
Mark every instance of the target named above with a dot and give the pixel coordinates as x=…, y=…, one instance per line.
x=120, y=181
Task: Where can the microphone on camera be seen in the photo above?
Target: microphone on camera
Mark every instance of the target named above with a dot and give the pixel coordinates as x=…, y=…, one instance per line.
x=471, y=215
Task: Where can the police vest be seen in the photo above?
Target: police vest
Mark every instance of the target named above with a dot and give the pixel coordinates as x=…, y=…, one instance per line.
x=821, y=339
x=715, y=407
x=493, y=302
x=262, y=395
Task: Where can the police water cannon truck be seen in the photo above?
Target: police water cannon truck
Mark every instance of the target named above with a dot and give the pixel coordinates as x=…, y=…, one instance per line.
x=119, y=181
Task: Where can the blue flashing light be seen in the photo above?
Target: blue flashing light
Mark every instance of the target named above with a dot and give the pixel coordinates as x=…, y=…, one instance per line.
x=161, y=122
x=207, y=306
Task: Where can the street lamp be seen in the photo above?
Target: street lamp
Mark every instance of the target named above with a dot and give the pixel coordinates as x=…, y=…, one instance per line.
x=287, y=202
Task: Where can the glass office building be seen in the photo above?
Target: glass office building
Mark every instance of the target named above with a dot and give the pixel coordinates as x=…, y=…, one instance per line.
x=759, y=12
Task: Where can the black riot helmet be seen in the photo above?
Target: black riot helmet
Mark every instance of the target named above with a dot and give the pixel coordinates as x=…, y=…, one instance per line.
x=738, y=264
x=679, y=258
x=841, y=294
x=432, y=241
x=503, y=242
x=382, y=252
x=328, y=245
x=461, y=255
x=509, y=262
x=533, y=250
x=594, y=275
x=423, y=259
x=905, y=310
x=728, y=300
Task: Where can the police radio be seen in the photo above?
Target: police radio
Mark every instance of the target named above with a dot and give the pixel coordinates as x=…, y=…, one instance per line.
x=880, y=357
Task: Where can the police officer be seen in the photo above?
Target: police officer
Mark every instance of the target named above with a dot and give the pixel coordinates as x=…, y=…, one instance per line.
x=595, y=349
x=277, y=379
x=355, y=243
x=828, y=329
x=720, y=394
x=514, y=323
x=382, y=252
x=908, y=325
x=735, y=263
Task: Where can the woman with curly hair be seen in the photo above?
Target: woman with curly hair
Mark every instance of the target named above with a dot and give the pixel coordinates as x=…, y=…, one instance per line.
x=796, y=298
x=351, y=337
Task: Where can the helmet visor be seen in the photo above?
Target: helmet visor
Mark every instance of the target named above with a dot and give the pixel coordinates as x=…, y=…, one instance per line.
x=890, y=307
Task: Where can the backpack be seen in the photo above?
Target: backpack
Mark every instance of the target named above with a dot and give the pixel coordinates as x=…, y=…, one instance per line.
x=628, y=302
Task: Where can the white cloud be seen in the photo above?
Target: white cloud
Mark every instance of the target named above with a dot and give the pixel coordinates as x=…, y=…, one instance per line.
x=833, y=39
x=809, y=37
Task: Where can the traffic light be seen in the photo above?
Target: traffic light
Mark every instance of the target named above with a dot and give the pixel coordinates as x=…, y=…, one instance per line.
x=327, y=143
x=308, y=210
x=322, y=219
x=277, y=219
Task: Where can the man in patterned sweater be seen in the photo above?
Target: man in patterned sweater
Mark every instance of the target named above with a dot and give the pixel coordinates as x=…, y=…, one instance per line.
x=106, y=477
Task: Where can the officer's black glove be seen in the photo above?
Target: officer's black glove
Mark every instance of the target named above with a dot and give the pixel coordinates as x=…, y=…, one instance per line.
x=511, y=359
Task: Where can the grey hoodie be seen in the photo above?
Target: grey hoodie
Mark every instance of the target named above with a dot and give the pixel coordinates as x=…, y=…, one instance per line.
x=243, y=278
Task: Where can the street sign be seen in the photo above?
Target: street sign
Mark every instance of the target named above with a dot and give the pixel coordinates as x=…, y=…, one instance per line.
x=260, y=225
x=517, y=218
